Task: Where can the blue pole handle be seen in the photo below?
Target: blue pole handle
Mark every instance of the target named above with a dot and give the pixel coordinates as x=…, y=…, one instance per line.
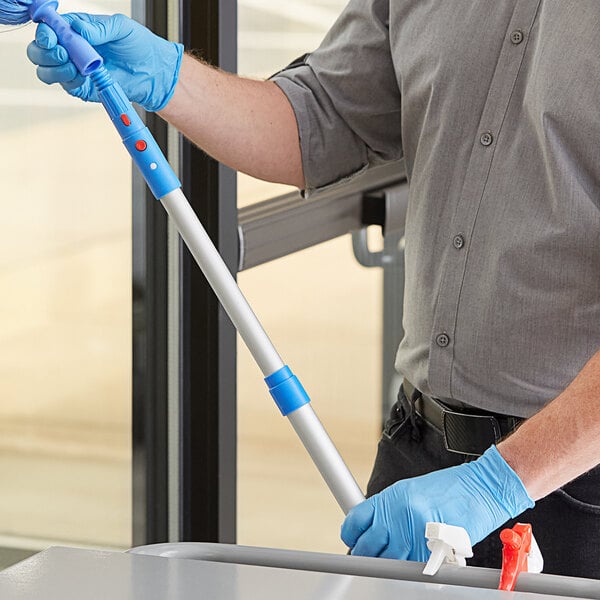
x=83, y=55
x=136, y=137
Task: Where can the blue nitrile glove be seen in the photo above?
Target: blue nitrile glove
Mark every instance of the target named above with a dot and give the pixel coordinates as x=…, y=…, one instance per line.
x=479, y=496
x=145, y=65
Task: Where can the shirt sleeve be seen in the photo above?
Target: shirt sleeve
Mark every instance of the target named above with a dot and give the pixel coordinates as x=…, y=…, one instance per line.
x=346, y=98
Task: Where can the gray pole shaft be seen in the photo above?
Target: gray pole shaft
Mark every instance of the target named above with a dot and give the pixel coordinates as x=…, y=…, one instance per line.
x=326, y=457
x=222, y=282
x=308, y=427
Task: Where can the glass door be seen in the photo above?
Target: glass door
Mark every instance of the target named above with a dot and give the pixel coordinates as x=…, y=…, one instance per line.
x=65, y=313
x=323, y=313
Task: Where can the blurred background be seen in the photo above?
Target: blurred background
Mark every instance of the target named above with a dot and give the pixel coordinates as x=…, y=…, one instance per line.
x=65, y=321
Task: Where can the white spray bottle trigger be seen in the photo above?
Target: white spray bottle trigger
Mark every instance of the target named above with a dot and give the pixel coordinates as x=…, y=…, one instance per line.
x=448, y=543
x=535, y=560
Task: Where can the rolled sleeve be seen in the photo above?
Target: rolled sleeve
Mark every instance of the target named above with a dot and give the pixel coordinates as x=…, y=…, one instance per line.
x=346, y=99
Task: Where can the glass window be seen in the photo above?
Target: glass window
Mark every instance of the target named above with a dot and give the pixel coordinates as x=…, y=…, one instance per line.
x=65, y=312
x=323, y=313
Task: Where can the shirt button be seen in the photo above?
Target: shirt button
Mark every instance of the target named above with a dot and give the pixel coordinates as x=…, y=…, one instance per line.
x=442, y=340
x=458, y=241
x=486, y=138
x=516, y=37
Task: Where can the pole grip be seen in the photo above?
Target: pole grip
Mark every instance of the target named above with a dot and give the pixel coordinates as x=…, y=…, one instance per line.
x=136, y=137
x=81, y=52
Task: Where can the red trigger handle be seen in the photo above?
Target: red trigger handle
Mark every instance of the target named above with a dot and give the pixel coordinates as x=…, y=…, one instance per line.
x=516, y=545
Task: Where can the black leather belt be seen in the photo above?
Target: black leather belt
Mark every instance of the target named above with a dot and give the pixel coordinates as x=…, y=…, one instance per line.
x=465, y=431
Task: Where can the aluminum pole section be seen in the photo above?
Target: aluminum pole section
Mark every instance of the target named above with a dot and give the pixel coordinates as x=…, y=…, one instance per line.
x=326, y=457
x=221, y=281
x=304, y=420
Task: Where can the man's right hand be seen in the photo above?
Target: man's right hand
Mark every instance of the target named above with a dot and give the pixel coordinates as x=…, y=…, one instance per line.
x=144, y=64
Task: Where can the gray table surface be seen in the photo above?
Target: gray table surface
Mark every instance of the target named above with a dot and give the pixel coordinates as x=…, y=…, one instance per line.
x=73, y=574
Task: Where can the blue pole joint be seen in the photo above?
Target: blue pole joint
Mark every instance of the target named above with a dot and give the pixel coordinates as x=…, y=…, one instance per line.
x=287, y=391
x=136, y=137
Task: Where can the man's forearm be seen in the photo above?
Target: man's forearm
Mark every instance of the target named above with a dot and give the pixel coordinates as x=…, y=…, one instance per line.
x=562, y=441
x=246, y=124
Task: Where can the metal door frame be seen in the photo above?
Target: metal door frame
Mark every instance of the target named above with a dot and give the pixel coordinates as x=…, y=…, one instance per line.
x=184, y=422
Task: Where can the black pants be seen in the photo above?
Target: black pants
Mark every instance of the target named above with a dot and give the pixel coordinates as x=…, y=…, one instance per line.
x=566, y=523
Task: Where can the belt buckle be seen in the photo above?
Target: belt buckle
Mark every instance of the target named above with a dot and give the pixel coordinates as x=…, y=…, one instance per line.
x=469, y=434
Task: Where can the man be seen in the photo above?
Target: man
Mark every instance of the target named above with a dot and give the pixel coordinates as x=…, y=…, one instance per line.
x=492, y=106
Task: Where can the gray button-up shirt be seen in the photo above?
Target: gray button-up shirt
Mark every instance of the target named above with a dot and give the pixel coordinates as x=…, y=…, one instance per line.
x=495, y=107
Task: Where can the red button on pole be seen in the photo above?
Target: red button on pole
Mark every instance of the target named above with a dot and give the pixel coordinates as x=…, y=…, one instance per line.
x=141, y=145
x=125, y=120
